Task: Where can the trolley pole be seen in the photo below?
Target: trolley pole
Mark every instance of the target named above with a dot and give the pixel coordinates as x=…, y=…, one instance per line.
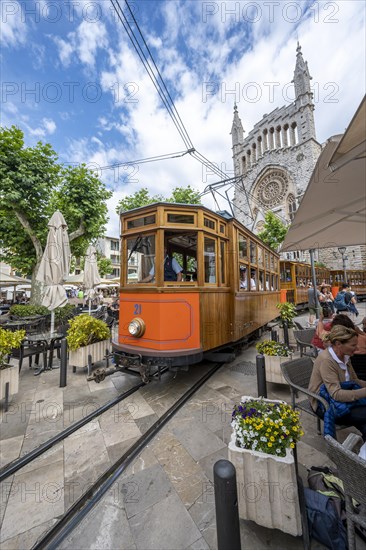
x=261, y=376
x=226, y=505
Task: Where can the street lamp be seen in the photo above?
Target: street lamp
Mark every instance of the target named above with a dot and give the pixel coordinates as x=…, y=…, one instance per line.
x=342, y=251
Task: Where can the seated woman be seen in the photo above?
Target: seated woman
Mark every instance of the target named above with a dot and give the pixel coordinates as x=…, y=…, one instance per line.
x=358, y=359
x=324, y=325
x=333, y=377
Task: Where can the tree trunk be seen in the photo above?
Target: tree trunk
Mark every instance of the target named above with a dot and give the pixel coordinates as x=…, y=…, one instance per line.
x=37, y=287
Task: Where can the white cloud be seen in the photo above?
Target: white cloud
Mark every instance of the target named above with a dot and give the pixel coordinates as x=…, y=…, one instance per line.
x=13, y=27
x=82, y=44
x=47, y=127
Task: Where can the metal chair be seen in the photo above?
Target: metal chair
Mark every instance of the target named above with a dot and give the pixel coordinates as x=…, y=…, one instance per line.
x=30, y=349
x=298, y=325
x=303, y=339
x=297, y=374
x=352, y=471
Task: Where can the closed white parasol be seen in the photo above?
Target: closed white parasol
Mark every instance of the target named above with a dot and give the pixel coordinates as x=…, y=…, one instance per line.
x=55, y=265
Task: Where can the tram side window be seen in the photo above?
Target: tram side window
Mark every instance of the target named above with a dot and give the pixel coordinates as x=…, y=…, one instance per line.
x=243, y=248
x=222, y=262
x=260, y=256
x=261, y=281
x=210, y=260
x=253, y=279
x=140, y=257
x=253, y=253
x=243, y=279
x=268, y=284
x=267, y=259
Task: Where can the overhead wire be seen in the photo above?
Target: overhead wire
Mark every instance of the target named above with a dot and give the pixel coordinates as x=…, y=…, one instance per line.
x=145, y=160
x=159, y=84
x=154, y=76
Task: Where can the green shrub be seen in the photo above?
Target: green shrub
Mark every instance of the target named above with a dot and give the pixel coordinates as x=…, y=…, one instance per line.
x=64, y=313
x=28, y=310
x=270, y=347
x=287, y=313
x=8, y=341
x=85, y=330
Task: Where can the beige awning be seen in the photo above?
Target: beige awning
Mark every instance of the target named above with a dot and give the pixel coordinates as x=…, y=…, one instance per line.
x=12, y=280
x=332, y=212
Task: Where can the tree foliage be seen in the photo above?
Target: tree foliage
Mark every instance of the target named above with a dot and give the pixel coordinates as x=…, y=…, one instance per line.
x=184, y=195
x=274, y=231
x=32, y=186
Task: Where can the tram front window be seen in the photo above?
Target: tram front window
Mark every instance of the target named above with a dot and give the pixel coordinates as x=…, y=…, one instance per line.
x=140, y=257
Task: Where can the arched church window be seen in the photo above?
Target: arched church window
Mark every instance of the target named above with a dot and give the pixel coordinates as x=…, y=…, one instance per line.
x=291, y=206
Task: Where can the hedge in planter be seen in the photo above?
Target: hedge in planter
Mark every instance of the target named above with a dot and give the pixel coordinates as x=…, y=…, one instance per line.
x=87, y=336
x=275, y=353
x=9, y=373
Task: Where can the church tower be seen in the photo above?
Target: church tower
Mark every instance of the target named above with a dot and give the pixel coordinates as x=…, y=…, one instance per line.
x=276, y=159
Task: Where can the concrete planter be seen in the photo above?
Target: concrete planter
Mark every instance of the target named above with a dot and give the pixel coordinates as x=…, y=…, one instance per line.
x=79, y=357
x=273, y=368
x=10, y=375
x=267, y=487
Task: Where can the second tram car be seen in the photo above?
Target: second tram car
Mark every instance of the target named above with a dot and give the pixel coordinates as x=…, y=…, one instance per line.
x=226, y=290
x=295, y=277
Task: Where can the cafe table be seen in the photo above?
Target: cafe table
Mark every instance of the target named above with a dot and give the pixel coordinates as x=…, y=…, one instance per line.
x=49, y=339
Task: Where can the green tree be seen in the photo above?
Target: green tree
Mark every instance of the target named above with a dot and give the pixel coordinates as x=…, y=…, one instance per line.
x=32, y=186
x=184, y=195
x=274, y=231
x=105, y=266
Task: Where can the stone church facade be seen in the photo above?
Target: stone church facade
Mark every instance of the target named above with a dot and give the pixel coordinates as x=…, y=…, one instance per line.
x=275, y=162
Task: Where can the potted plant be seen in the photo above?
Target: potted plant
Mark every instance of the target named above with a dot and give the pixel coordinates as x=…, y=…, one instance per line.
x=261, y=449
x=275, y=353
x=287, y=314
x=9, y=374
x=87, y=336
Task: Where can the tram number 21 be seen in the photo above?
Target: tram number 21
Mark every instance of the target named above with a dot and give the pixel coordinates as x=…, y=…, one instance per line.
x=137, y=309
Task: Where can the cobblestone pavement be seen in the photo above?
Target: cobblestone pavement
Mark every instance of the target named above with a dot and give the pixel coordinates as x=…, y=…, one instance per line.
x=165, y=499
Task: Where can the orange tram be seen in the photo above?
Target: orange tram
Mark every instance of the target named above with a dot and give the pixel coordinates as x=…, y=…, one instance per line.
x=225, y=288
x=294, y=277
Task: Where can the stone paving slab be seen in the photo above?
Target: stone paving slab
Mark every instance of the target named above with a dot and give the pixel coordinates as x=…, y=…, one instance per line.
x=173, y=475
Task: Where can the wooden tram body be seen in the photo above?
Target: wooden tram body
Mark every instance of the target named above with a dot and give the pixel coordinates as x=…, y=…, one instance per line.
x=295, y=277
x=229, y=288
x=355, y=277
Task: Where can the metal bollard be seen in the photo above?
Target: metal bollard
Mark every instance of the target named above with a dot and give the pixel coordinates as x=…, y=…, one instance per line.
x=63, y=363
x=285, y=333
x=261, y=376
x=226, y=505
x=274, y=335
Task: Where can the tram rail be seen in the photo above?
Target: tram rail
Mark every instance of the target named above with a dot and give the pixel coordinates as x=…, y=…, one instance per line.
x=16, y=465
x=79, y=510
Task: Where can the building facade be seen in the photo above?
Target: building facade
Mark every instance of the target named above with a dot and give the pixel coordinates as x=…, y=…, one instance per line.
x=274, y=163
x=110, y=248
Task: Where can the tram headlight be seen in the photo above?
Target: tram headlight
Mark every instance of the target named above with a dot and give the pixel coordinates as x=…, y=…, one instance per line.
x=137, y=327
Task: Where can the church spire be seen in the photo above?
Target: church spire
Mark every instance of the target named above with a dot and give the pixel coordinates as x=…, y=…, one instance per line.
x=237, y=130
x=301, y=75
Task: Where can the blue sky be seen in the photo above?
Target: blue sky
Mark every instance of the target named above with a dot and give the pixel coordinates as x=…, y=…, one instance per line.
x=71, y=77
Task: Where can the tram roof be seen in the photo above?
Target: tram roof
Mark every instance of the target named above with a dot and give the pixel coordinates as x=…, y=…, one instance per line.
x=224, y=214
x=332, y=212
